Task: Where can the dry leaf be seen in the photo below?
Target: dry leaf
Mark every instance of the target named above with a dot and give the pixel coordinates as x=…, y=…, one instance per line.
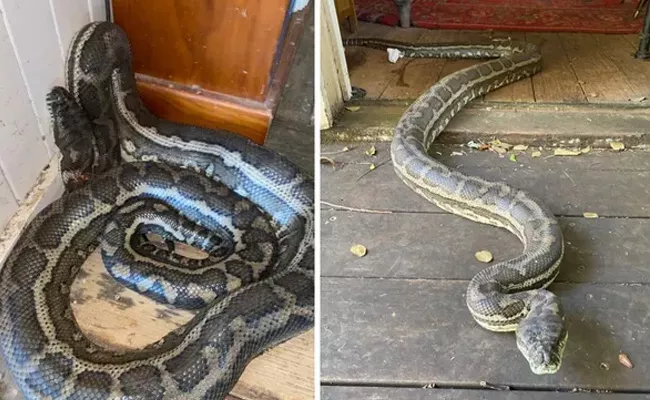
x=371, y=151
x=536, y=154
x=617, y=146
x=566, y=152
x=499, y=146
x=484, y=147
x=625, y=360
x=483, y=256
x=346, y=148
x=352, y=108
x=359, y=250
x=327, y=160
x=604, y=366
x=585, y=150
x=512, y=157
x=520, y=147
x=590, y=215
x=372, y=166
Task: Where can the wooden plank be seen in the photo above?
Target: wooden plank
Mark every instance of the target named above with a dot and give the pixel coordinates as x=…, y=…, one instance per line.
x=415, y=76
x=33, y=34
x=621, y=53
x=390, y=332
x=557, y=82
x=118, y=318
x=520, y=91
x=23, y=153
x=184, y=104
x=388, y=393
x=525, y=123
x=442, y=246
x=594, y=187
x=69, y=18
x=8, y=203
x=369, y=68
x=599, y=77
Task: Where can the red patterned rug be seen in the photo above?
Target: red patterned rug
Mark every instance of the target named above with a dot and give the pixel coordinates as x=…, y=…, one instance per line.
x=597, y=16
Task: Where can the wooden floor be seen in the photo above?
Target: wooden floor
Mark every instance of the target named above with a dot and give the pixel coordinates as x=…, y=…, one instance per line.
x=578, y=67
x=394, y=322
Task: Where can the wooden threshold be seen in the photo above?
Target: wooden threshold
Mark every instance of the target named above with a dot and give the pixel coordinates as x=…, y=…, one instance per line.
x=525, y=123
x=195, y=106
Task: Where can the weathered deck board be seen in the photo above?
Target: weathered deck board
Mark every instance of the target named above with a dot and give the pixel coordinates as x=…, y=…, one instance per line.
x=130, y=321
x=442, y=246
x=370, y=69
x=520, y=123
x=418, y=332
x=598, y=76
x=354, y=393
x=578, y=67
x=635, y=71
x=564, y=187
x=416, y=75
x=397, y=318
x=557, y=83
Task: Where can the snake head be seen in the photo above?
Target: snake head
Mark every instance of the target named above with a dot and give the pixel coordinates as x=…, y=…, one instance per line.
x=542, y=336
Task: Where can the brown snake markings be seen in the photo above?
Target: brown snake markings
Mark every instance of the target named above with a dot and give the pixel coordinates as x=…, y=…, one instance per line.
x=128, y=174
x=510, y=295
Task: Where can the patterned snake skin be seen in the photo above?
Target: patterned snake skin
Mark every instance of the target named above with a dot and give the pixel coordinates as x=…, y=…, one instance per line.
x=510, y=295
x=129, y=174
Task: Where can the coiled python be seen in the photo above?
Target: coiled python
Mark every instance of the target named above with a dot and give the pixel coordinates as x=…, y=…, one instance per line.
x=248, y=208
x=510, y=295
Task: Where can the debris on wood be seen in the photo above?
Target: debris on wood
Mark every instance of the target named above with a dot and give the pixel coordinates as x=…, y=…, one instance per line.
x=474, y=145
x=429, y=386
x=327, y=160
x=359, y=250
x=343, y=150
x=604, y=366
x=638, y=99
x=616, y=146
x=493, y=387
x=512, y=157
x=585, y=150
x=484, y=256
x=625, y=360
x=536, y=154
x=457, y=153
x=520, y=147
x=566, y=152
x=371, y=151
x=590, y=215
x=353, y=108
x=372, y=166
x=499, y=146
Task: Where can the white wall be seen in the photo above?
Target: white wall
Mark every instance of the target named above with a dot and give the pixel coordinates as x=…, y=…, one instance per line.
x=34, y=38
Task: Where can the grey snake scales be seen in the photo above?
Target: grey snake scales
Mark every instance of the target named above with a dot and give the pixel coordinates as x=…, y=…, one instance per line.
x=509, y=295
x=130, y=174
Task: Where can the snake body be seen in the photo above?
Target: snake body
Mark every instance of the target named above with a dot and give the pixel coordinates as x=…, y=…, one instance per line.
x=509, y=295
x=128, y=174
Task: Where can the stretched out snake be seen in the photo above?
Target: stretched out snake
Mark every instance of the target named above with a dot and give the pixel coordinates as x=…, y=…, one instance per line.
x=510, y=295
x=130, y=174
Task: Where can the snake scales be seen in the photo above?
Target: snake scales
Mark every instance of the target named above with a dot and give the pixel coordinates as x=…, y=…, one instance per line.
x=129, y=174
x=510, y=295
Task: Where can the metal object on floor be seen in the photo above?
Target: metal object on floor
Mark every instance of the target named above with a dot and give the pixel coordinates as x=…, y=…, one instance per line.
x=643, y=52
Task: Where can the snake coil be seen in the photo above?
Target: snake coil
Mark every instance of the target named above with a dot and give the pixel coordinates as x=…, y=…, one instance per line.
x=129, y=174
